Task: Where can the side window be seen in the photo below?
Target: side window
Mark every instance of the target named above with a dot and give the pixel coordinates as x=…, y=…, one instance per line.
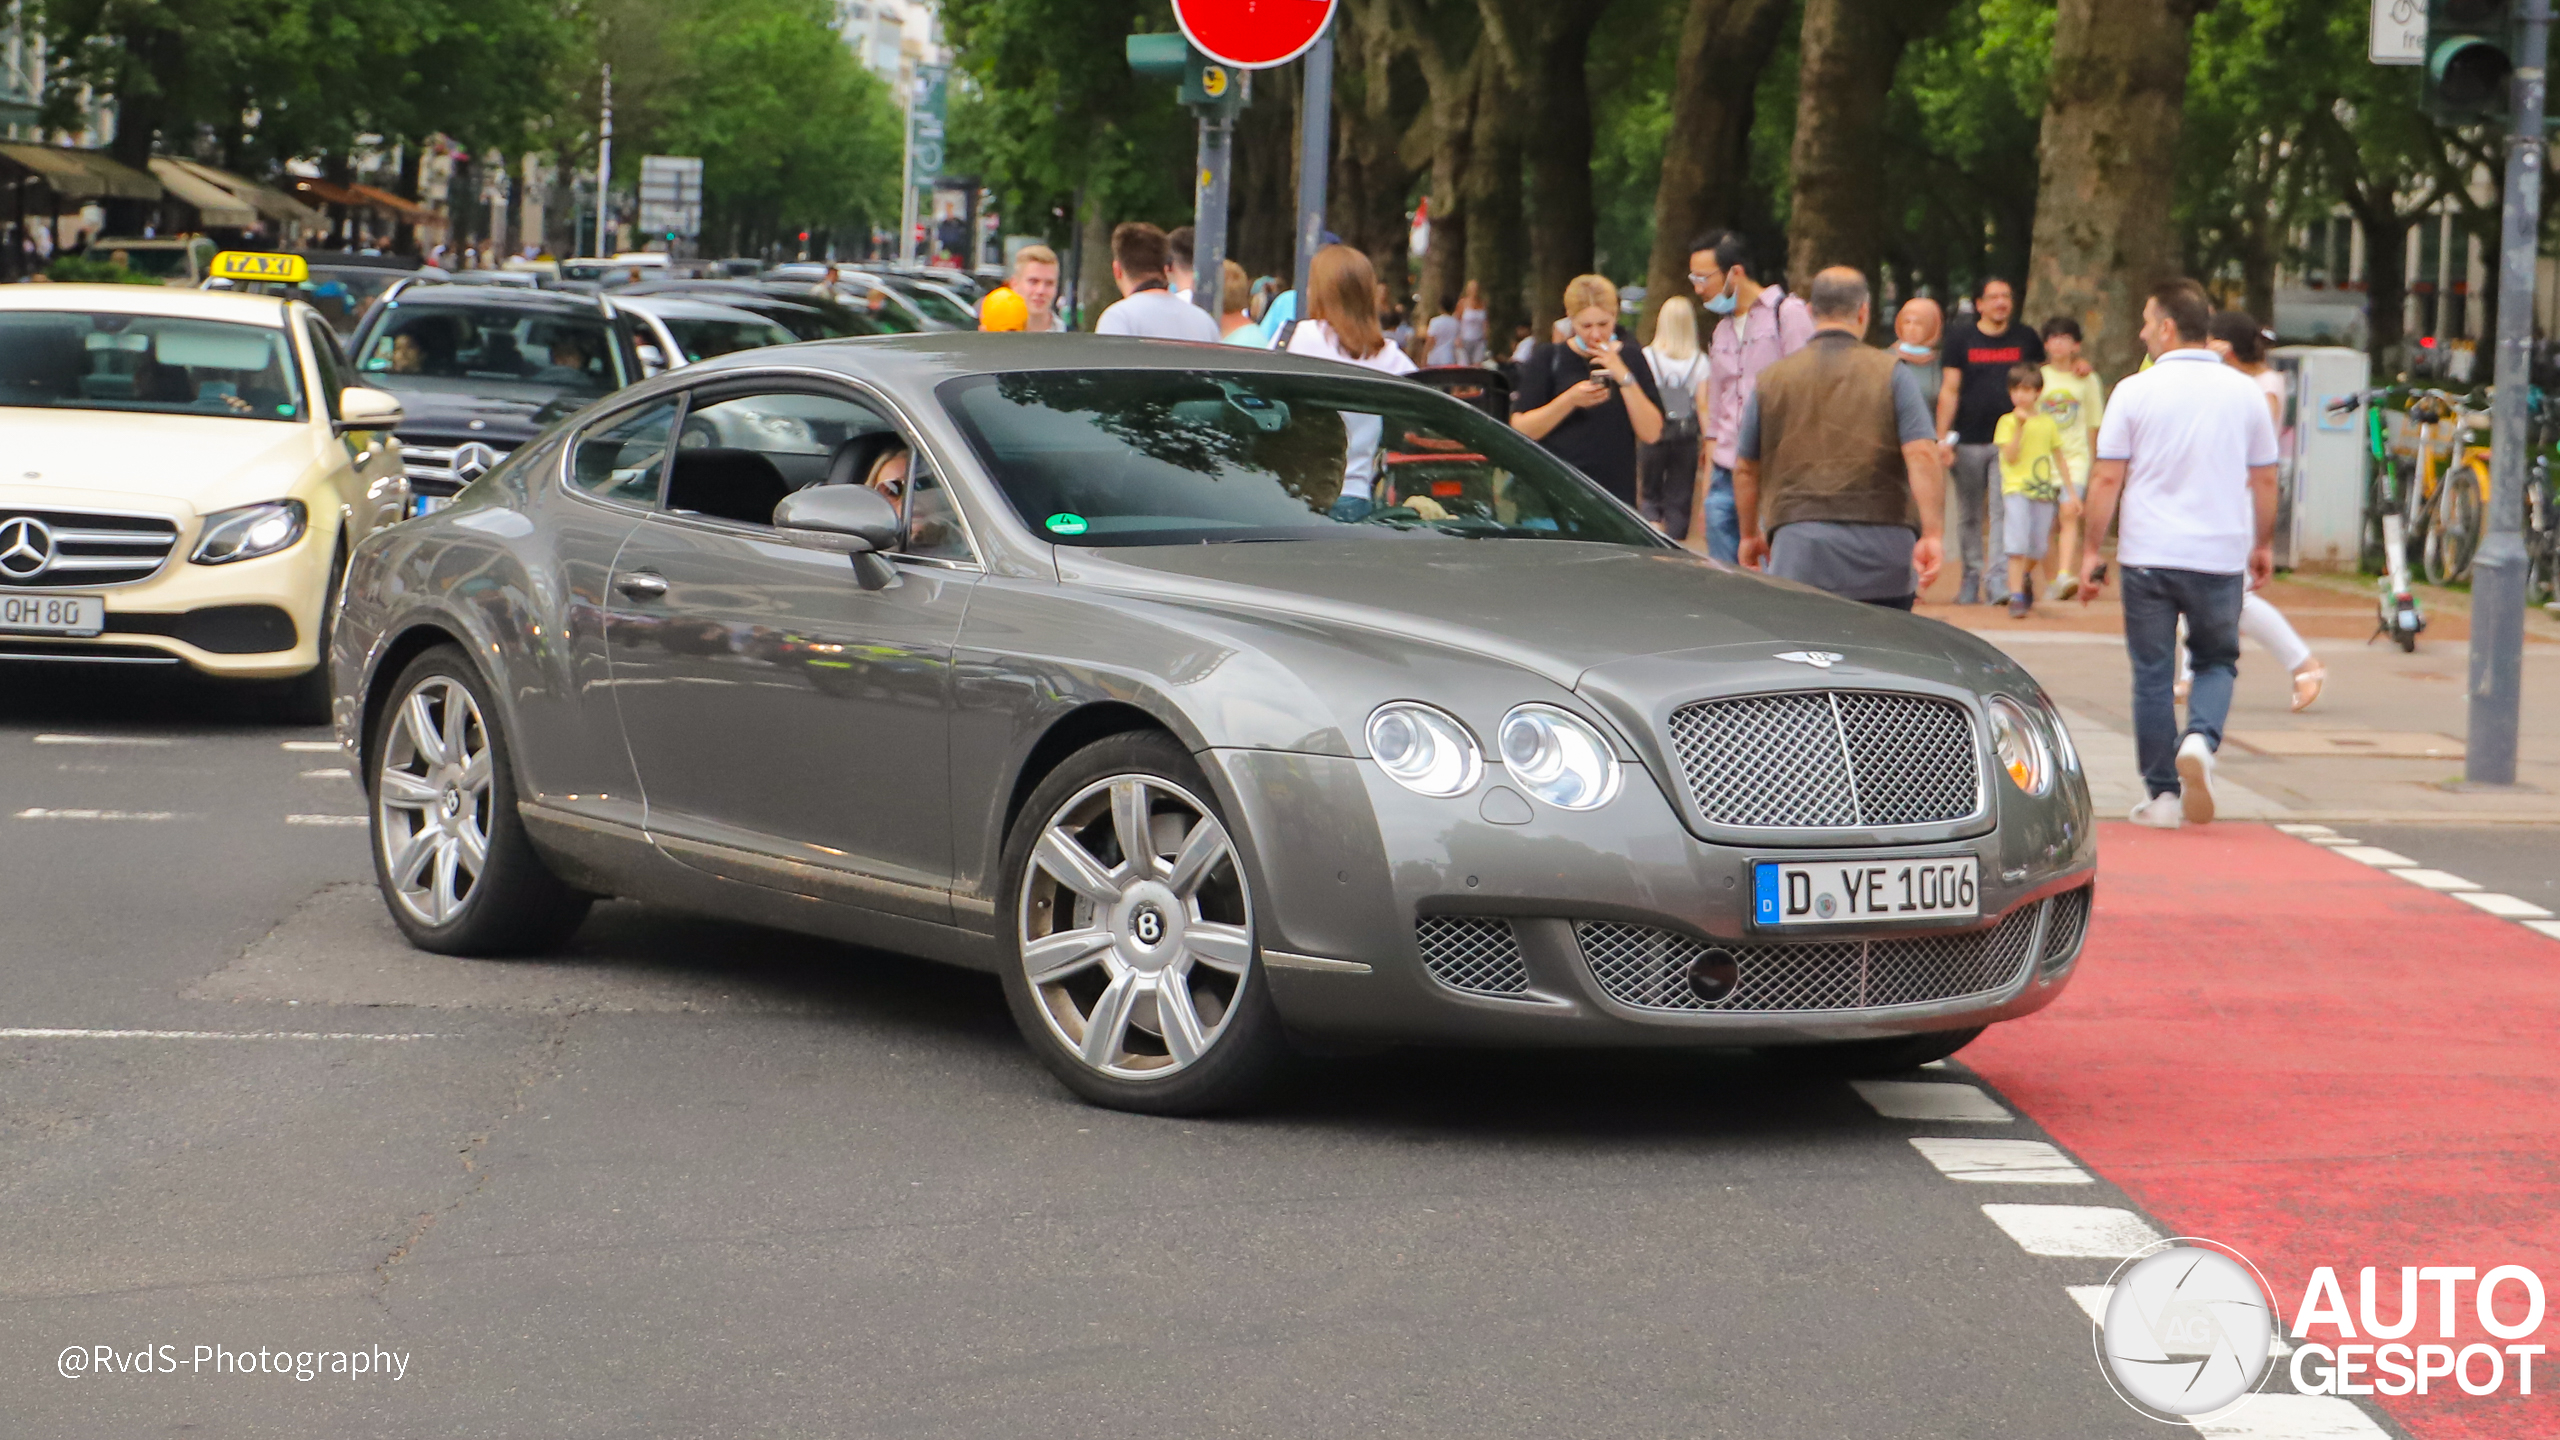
x=933, y=522
x=740, y=454
x=330, y=362
x=624, y=455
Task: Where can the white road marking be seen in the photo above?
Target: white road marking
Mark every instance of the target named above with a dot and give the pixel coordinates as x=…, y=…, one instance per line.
x=335, y=772
x=2550, y=928
x=41, y=1033
x=2505, y=905
x=2374, y=855
x=2078, y=1232
x=1929, y=1100
x=2000, y=1162
x=2278, y=1416
x=2436, y=880
x=42, y=814
x=104, y=740
x=2092, y=1300
x=324, y=820
x=312, y=747
x=2306, y=831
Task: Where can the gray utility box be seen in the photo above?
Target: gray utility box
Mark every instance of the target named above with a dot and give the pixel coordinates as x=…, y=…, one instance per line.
x=2322, y=478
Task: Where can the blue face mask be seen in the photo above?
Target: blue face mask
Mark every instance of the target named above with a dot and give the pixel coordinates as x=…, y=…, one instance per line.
x=1721, y=305
x=1916, y=352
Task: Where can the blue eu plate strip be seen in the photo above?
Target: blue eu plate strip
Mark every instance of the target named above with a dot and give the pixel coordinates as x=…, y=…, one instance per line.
x=1764, y=894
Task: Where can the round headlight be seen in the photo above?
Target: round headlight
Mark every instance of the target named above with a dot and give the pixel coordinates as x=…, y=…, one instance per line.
x=2022, y=751
x=1424, y=750
x=1557, y=757
x=2066, y=754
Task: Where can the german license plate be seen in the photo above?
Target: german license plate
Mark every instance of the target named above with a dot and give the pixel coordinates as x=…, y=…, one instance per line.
x=1845, y=892
x=53, y=614
x=427, y=504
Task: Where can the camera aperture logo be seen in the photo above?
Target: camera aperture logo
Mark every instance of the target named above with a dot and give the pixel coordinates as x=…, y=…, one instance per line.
x=2186, y=1330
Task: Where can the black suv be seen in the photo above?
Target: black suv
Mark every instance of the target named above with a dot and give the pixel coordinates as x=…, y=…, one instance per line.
x=480, y=369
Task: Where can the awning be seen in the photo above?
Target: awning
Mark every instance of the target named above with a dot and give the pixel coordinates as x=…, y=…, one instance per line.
x=80, y=174
x=214, y=206
x=265, y=199
x=366, y=197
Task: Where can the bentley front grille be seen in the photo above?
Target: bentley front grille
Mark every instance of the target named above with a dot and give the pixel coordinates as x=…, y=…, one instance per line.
x=1648, y=968
x=1829, y=759
x=1472, y=953
x=81, y=549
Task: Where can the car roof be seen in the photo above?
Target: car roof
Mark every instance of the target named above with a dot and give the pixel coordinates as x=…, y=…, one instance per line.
x=913, y=365
x=521, y=297
x=171, y=300
x=687, y=307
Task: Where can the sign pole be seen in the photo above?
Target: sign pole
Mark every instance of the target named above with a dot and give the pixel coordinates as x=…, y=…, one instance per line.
x=907, y=189
x=604, y=171
x=1209, y=213
x=2498, y=573
x=1315, y=149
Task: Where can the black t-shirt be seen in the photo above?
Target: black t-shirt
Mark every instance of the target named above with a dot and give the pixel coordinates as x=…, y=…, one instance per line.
x=1600, y=442
x=1983, y=396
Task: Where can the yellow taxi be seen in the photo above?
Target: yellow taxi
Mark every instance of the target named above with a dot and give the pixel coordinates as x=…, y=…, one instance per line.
x=182, y=476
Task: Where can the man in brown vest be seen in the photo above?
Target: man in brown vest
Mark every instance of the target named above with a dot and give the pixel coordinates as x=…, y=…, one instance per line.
x=1838, y=482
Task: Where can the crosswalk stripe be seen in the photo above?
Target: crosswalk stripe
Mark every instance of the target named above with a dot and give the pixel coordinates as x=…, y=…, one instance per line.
x=53, y=1033
x=40, y=813
x=324, y=820
x=104, y=740
x=2080, y=1232
x=2436, y=880
x=1930, y=1100
x=2279, y=1416
x=2376, y=856
x=1999, y=1162
x=2507, y=906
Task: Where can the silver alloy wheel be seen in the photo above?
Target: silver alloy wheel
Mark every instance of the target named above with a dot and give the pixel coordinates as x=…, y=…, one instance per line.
x=432, y=799
x=1136, y=928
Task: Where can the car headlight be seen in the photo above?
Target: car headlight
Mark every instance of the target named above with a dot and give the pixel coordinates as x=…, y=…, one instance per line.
x=2064, y=751
x=250, y=531
x=1557, y=757
x=1424, y=750
x=2022, y=750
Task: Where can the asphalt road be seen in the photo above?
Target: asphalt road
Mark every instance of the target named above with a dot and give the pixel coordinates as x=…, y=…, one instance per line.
x=697, y=1179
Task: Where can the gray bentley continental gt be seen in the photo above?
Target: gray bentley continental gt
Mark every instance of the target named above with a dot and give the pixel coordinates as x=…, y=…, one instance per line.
x=1209, y=698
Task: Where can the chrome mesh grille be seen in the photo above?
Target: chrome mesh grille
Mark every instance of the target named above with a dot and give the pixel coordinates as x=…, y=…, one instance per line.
x=2068, y=927
x=1647, y=968
x=81, y=549
x=1472, y=953
x=1821, y=759
x=431, y=467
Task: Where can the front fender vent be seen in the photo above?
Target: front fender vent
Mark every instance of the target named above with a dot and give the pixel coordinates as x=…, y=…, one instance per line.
x=1474, y=953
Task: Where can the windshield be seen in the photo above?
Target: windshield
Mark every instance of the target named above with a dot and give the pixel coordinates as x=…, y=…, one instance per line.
x=933, y=303
x=339, y=293
x=572, y=353
x=160, y=262
x=1164, y=457
x=68, y=360
x=703, y=339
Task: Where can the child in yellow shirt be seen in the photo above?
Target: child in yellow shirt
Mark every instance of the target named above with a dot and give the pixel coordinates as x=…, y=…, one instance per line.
x=2033, y=474
x=2076, y=399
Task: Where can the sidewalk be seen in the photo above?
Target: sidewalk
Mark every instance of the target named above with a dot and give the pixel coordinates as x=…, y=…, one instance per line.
x=2381, y=744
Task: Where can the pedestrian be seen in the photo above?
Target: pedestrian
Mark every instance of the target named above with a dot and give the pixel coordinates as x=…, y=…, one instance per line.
x=2189, y=450
x=1441, y=336
x=1471, y=325
x=1667, y=469
x=1836, y=461
x=1761, y=325
x=2237, y=337
x=1181, y=271
x=1342, y=324
x=1915, y=341
x=1236, y=327
x=1580, y=398
x=1035, y=279
x=2077, y=400
x=2033, y=475
x=1971, y=399
x=1148, y=306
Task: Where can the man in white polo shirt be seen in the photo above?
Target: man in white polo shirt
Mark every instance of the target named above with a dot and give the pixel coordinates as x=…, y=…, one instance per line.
x=2189, y=448
x=1139, y=255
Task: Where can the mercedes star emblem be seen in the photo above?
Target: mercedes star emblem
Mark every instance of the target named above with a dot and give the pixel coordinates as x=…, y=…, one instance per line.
x=1818, y=659
x=472, y=461
x=26, y=547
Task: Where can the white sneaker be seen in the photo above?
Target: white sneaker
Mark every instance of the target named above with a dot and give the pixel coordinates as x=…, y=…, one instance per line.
x=2195, y=779
x=2160, y=812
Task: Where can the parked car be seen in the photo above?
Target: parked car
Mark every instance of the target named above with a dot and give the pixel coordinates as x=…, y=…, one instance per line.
x=186, y=475
x=1098, y=667
x=892, y=307
x=688, y=330
x=171, y=260
x=799, y=309
x=481, y=369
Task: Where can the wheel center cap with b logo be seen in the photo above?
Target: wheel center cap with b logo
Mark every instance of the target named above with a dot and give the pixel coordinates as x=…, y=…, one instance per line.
x=1148, y=925
x=26, y=547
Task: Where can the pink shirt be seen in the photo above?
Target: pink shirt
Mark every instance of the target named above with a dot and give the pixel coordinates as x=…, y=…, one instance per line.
x=1776, y=326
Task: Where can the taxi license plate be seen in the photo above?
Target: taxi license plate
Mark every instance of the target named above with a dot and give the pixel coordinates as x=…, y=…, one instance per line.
x=1848, y=892
x=53, y=614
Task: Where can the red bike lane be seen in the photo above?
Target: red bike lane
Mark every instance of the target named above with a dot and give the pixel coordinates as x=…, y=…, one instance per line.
x=2316, y=1063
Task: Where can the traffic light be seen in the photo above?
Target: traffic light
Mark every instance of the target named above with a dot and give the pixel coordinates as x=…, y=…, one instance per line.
x=2471, y=49
x=1203, y=81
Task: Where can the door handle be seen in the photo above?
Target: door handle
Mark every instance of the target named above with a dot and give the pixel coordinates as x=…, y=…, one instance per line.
x=641, y=585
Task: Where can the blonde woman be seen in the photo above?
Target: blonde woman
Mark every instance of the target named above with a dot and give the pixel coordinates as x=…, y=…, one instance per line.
x=1667, y=469
x=1581, y=399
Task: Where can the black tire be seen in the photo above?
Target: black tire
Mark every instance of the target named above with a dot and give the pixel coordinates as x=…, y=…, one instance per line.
x=305, y=699
x=1245, y=1047
x=513, y=904
x=1857, y=1059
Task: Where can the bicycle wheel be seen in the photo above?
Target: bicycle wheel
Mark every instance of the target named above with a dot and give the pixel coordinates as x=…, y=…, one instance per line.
x=2417, y=519
x=2455, y=537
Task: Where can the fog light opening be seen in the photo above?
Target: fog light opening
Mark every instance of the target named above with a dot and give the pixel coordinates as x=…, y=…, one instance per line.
x=1713, y=975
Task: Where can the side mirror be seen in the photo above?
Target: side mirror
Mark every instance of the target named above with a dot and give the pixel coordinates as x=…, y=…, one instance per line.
x=362, y=408
x=652, y=360
x=850, y=520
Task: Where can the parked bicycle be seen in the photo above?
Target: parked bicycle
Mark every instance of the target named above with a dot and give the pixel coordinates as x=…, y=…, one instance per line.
x=2443, y=508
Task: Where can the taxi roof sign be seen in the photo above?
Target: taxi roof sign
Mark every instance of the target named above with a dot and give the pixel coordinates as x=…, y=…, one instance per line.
x=239, y=265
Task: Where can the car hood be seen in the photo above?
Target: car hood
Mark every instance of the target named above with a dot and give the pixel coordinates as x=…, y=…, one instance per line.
x=165, y=464
x=444, y=415
x=1572, y=612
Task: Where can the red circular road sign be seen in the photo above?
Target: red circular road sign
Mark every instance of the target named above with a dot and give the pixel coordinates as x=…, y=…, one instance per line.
x=1253, y=34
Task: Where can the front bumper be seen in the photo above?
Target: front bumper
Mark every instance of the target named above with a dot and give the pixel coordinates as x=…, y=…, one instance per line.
x=248, y=620
x=1346, y=865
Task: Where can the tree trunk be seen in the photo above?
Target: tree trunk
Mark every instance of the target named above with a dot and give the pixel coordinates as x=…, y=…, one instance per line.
x=1494, y=251
x=1263, y=222
x=2386, y=281
x=1706, y=158
x=1850, y=50
x=1095, y=289
x=1545, y=47
x=1366, y=206
x=1446, y=48
x=2103, y=232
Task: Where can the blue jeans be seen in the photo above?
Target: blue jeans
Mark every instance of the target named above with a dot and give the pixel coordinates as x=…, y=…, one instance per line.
x=2153, y=601
x=1724, y=523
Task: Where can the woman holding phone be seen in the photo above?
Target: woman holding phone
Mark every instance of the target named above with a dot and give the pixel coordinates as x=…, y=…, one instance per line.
x=1582, y=398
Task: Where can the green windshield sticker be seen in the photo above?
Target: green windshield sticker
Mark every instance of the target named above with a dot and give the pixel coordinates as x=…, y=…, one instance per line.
x=1066, y=524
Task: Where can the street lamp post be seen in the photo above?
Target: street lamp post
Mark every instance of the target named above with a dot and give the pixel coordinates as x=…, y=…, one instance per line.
x=604, y=170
